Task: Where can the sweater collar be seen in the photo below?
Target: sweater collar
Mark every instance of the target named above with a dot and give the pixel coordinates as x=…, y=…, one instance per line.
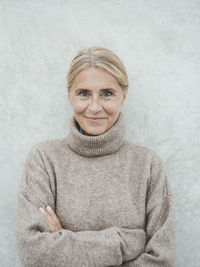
x=103, y=144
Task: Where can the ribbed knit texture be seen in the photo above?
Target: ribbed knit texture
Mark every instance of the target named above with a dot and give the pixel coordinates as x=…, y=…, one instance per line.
x=102, y=144
x=111, y=196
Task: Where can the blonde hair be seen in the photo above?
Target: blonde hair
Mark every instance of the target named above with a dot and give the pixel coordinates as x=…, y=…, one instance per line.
x=100, y=58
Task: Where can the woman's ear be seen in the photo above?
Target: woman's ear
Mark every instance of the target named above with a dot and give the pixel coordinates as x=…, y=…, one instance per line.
x=124, y=97
x=68, y=95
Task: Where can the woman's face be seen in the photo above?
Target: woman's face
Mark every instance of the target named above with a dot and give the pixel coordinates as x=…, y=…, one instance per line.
x=96, y=94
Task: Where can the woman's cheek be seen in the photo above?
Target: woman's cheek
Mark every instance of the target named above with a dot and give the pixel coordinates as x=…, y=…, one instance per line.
x=80, y=106
x=112, y=107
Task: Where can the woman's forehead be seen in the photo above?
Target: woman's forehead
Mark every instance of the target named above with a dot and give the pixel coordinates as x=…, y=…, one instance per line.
x=90, y=79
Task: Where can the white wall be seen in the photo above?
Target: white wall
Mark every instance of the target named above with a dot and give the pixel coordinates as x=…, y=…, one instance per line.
x=158, y=42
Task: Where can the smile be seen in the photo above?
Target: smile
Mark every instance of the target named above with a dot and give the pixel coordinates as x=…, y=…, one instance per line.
x=95, y=119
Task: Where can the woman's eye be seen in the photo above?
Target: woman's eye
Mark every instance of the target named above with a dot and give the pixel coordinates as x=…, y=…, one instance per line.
x=84, y=92
x=109, y=93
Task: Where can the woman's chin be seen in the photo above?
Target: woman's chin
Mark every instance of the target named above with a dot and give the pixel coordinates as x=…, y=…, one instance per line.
x=95, y=130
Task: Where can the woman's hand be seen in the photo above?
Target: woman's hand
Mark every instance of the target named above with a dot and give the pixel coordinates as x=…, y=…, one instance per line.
x=51, y=218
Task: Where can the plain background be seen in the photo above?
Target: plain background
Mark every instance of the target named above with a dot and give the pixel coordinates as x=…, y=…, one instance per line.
x=159, y=43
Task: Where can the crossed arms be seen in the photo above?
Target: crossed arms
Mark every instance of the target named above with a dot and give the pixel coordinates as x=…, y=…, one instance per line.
x=113, y=246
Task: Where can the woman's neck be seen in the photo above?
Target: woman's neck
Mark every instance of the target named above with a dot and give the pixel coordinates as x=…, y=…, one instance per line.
x=94, y=145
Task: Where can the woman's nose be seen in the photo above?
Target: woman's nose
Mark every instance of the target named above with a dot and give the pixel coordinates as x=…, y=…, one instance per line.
x=94, y=105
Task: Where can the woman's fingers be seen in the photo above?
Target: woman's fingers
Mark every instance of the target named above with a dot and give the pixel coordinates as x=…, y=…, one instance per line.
x=52, y=219
x=54, y=216
x=49, y=219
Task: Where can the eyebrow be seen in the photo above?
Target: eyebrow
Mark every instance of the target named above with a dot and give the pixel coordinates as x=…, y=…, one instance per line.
x=102, y=89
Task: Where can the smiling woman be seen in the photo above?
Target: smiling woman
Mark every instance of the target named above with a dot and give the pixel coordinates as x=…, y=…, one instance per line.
x=96, y=104
x=97, y=93
x=111, y=200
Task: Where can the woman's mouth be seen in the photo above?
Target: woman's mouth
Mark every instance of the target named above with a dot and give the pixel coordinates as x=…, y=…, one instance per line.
x=95, y=119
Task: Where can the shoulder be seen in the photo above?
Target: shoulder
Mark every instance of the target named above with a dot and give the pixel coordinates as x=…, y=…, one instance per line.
x=142, y=152
x=48, y=147
x=156, y=169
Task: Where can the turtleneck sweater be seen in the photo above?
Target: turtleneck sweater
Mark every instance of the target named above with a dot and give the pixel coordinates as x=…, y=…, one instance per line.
x=111, y=196
x=99, y=145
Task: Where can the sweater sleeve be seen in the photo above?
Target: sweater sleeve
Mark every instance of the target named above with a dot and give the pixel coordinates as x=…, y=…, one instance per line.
x=37, y=246
x=160, y=248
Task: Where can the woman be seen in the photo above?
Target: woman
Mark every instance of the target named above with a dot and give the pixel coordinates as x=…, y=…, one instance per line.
x=109, y=200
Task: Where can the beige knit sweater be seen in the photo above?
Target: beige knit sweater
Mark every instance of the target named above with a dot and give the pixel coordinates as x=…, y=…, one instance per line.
x=111, y=196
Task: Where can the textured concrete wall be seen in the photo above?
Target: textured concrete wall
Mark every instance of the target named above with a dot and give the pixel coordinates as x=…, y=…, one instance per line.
x=158, y=42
